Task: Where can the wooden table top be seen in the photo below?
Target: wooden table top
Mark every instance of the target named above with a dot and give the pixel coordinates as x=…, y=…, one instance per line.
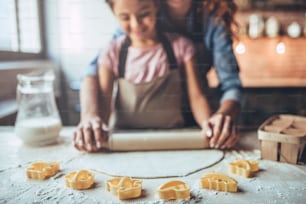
x=275, y=182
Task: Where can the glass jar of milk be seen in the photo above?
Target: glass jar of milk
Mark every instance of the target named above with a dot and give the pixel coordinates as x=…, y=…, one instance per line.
x=38, y=121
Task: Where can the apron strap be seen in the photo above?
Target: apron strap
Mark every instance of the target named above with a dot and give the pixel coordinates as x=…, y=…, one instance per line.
x=124, y=51
x=122, y=56
x=169, y=50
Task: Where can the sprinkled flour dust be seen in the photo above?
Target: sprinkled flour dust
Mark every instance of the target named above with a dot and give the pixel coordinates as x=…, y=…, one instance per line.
x=278, y=180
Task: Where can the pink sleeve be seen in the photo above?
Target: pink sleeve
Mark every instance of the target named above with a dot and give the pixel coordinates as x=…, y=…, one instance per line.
x=187, y=49
x=109, y=56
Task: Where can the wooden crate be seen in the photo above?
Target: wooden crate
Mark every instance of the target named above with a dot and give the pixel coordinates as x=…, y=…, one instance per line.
x=283, y=138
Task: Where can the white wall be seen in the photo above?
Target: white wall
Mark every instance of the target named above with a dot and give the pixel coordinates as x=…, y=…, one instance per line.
x=76, y=31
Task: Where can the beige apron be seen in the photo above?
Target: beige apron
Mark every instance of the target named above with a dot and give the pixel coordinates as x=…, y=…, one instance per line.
x=154, y=104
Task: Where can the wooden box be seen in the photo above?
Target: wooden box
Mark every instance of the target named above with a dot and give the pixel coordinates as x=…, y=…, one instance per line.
x=283, y=138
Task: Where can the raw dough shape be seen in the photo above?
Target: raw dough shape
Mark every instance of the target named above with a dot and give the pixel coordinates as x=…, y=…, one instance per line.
x=124, y=187
x=42, y=170
x=79, y=180
x=173, y=190
x=219, y=182
x=150, y=164
x=244, y=168
x=254, y=165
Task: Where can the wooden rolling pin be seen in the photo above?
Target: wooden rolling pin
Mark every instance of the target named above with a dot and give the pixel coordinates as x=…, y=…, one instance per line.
x=129, y=140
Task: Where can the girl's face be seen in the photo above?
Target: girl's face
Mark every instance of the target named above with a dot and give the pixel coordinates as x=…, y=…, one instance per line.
x=137, y=18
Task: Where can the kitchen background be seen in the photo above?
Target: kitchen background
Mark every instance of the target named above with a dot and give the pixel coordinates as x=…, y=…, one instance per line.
x=65, y=35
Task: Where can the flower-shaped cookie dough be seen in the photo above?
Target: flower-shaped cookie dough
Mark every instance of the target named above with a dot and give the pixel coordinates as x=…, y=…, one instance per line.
x=243, y=168
x=79, y=180
x=124, y=187
x=42, y=170
x=174, y=190
x=219, y=182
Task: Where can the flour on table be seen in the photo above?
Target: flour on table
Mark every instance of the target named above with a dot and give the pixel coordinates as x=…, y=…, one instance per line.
x=150, y=164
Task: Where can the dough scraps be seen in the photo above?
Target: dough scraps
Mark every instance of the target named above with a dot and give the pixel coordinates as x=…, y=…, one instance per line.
x=79, y=180
x=42, y=170
x=173, y=190
x=124, y=187
x=150, y=164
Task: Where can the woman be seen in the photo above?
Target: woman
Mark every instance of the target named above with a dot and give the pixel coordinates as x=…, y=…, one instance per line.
x=208, y=23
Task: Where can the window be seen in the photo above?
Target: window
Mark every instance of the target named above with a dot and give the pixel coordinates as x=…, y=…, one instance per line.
x=20, y=23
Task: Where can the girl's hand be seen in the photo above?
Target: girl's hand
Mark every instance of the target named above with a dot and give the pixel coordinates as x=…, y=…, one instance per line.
x=221, y=131
x=90, y=134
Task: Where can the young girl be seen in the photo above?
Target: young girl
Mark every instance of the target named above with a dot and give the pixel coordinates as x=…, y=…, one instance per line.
x=151, y=70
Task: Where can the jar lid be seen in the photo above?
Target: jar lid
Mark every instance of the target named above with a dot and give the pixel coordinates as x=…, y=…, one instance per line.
x=37, y=76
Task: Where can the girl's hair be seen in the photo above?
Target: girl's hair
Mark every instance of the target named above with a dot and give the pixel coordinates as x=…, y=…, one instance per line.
x=111, y=3
x=223, y=10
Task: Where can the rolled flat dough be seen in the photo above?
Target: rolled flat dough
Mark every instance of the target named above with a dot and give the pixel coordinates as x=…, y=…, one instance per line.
x=150, y=164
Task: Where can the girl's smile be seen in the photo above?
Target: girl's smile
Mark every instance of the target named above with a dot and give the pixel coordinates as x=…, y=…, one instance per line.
x=137, y=18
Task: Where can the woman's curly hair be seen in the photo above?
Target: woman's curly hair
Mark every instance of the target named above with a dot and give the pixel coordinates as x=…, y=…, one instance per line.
x=223, y=10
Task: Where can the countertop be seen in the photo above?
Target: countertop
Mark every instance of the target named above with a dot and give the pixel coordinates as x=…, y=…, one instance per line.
x=275, y=182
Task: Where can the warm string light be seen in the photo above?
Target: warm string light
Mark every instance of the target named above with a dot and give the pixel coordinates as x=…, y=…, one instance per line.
x=240, y=48
x=280, y=48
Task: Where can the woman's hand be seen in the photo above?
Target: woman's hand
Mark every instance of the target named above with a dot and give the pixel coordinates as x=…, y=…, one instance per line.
x=221, y=131
x=90, y=134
